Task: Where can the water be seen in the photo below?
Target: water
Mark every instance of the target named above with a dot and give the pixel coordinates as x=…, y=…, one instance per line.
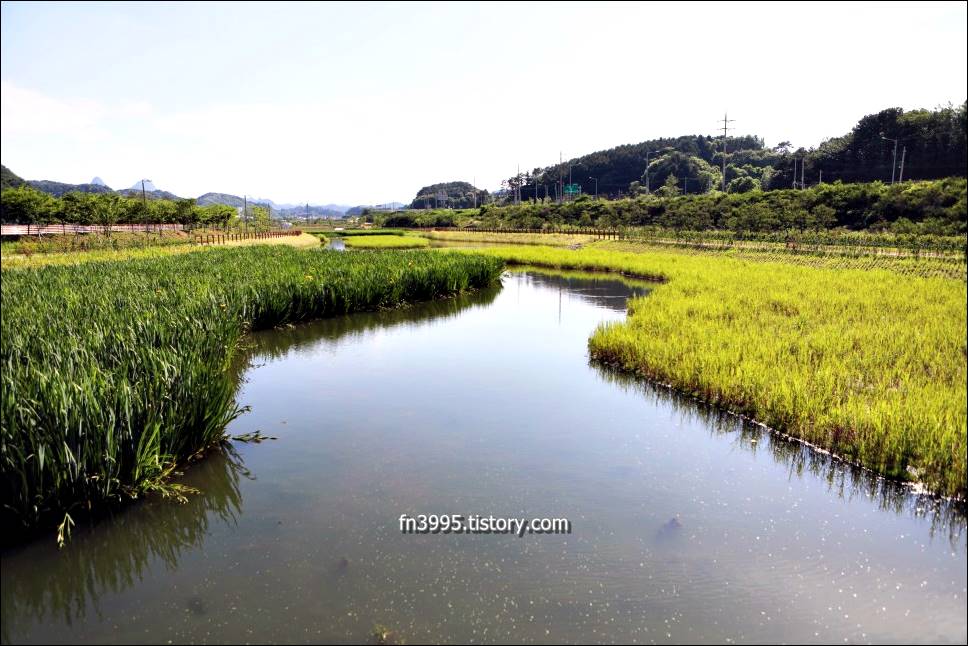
x=487, y=404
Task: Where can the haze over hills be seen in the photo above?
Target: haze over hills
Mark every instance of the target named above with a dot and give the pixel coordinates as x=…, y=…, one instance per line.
x=151, y=191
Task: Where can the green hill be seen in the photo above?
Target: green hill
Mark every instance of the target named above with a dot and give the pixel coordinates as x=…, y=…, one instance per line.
x=9, y=179
x=933, y=145
x=458, y=195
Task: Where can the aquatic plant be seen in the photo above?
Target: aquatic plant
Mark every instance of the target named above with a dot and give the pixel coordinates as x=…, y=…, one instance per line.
x=115, y=371
x=385, y=242
x=869, y=364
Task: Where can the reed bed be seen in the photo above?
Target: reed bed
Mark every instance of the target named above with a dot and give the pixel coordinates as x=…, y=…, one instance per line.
x=385, y=242
x=927, y=266
x=116, y=371
x=549, y=239
x=869, y=364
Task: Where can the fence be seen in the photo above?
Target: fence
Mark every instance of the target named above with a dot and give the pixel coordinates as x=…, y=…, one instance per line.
x=222, y=238
x=64, y=229
x=604, y=234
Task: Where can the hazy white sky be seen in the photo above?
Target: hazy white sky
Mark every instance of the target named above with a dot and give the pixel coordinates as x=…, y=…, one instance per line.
x=366, y=103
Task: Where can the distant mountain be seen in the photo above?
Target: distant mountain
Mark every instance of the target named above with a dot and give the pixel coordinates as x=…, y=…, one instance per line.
x=219, y=198
x=8, y=178
x=152, y=192
x=151, y=195
x=232, y=200
x=12, y=180
x=58, y=189
x=300, y=210
x=311, y=211
x=144, y=183
x=341, y=208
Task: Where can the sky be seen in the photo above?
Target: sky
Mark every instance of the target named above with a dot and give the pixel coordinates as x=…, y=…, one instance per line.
x=366, y=103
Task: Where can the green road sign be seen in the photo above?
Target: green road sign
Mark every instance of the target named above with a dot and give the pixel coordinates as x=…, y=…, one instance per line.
x=572, y=188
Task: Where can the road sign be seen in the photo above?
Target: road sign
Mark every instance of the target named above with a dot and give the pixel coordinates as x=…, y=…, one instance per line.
x=572, y=189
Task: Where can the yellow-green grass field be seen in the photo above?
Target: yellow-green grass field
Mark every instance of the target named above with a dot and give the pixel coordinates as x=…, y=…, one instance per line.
x=15, y=261
x=552, y=239
x=385, y=242
x=926, y=265
x=869, y=364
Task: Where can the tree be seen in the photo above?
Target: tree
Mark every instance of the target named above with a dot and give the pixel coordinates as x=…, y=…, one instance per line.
x=185, y=211
x=703, y=177
x=107, y=207
x=24, y=205
x=670, y=188
x=743, y=184
x=260, y=218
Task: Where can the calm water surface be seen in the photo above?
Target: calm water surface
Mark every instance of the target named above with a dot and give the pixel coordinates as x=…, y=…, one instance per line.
x=487, y=404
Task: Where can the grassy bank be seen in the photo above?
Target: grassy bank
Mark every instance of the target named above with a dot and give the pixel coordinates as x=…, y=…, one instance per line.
x=20, y=261
x=868, y=364
x=115, y=371
x=552, y=239
x=385, y=242
x=925, y=266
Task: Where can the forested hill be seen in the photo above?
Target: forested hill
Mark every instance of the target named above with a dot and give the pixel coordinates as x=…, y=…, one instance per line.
x=11, y=180
x=458, y=195
x=617, y=168
x=933, y=144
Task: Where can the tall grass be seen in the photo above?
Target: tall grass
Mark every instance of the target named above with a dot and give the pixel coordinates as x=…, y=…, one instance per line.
x=926, y=266
x=550, y=239
x=113, y=372
x=869, y=364
x=385, y=242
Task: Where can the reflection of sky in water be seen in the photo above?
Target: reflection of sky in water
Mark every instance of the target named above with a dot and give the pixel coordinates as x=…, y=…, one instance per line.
x=487, y=404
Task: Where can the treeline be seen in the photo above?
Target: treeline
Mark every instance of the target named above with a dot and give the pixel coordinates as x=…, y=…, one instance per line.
x=932, y=144
x=926, y=207
x=25, y=205
x=419, y=218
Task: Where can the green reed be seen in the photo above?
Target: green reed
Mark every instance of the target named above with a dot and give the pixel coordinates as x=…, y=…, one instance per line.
x=114, y=372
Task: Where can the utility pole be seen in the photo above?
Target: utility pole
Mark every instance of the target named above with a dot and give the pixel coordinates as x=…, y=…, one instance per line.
x=903, y=153
x=144, y=204
x=894, y=163
x=802, y=172
x=647, y=191
x=561, y=181
x=726, y=122
x=794, y=172
x=821, y=178
x=596, y=187
x=245, y=213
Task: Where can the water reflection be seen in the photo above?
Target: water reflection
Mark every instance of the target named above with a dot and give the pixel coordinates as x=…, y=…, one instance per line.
x=486, y=404
x=845, y=480
x=278, y=342
x=42, y=583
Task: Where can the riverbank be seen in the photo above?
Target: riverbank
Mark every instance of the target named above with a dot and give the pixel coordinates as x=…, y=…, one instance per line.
x=15, y=260
x=869, y=365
